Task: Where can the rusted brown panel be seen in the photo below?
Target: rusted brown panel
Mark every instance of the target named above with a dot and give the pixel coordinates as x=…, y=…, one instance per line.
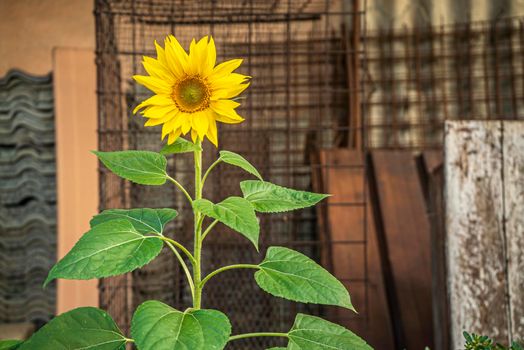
x=474, y=225
x=404, y=230
x=513, y=153
x=341, y=174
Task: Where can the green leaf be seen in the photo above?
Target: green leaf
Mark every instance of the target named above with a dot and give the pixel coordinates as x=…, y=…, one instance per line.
x=180, y=145
x=467, y=336
x=10, y=344
x=239, y=161
x=141, y=167
x=235, y=212
x=157, y=326
x=516, y=346
x=277, y=348
x=270, y=198
x=314, y=333
x=216, y=328
x=291, y=275
x=82, y=328
x=108, y=249
x=143, y=220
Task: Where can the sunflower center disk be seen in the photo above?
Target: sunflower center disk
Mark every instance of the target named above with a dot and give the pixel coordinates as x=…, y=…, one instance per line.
x=191, y=94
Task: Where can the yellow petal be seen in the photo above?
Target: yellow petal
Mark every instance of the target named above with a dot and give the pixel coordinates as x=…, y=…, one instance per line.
x=227, y=120
x=168, y=128
x=226, y=109
x=156, y=85
x=157, y=100
x=173, y=136
x=200, y=123
x=226, y=68
x=186, y=125
x=228, y=81
x=156, y=112
x=158, y=121
x=160, y=54
x=212, y=133
x=229, y=92
x=181, y=119
x=211, y=57
x=194, y=136
x=224, y=105
x=176, y=57
x=198, y=56
x=157, y=69
x=182, y=55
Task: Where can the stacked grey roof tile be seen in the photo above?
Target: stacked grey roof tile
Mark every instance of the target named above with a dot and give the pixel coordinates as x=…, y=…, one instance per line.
x=27, y=197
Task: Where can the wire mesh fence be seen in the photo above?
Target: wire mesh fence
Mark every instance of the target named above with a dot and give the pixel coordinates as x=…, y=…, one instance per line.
x=417, y=78
x=296, y=52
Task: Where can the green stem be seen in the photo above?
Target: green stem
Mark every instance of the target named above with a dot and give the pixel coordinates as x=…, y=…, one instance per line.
x=225, y=268
x=184, y=266
x=197, y=295
x=208, y=171
x=253, y=335
x=181, y=188
x=181, y=247
x=208, y=229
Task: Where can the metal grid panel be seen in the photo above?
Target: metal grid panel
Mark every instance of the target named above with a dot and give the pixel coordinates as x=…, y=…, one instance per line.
x=297, y=52
x=419, y=77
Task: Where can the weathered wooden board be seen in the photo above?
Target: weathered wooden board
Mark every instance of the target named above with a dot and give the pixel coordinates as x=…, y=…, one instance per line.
x=513, y=154
x=343, y=221
x=474, y=194
x=433, y=177
x=403, y=231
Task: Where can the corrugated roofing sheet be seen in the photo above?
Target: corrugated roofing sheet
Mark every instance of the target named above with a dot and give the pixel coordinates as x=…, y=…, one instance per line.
x=27, y=197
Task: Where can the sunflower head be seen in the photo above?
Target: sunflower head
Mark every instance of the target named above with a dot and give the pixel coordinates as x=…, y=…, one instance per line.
x=191, y=92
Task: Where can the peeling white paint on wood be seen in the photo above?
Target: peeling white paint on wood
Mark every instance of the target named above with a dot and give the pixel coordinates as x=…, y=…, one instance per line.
x=476, y=241
x=513, y=152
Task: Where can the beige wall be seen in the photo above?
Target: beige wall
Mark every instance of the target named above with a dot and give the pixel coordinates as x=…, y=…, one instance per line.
x=40, y=36
x=30, y=29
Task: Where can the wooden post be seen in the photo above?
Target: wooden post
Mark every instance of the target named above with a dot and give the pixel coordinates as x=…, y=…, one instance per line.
x=513, y=153
x=74, y=74
x=484, y=171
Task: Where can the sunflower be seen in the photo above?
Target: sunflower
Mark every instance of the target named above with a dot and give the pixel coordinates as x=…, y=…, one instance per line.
x=191, y=93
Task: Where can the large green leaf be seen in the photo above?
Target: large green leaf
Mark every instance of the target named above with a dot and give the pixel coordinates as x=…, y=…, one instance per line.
x=10, y=344
x=157, y=326
x=82, y=328
x=142, y=167
x=314, y=333
x=108, y=249
x=270, y=198
x=235, y=212
x=216, y=328
x=143, y=220
x=291, y=275
x=180, y=145
x=239, y=161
